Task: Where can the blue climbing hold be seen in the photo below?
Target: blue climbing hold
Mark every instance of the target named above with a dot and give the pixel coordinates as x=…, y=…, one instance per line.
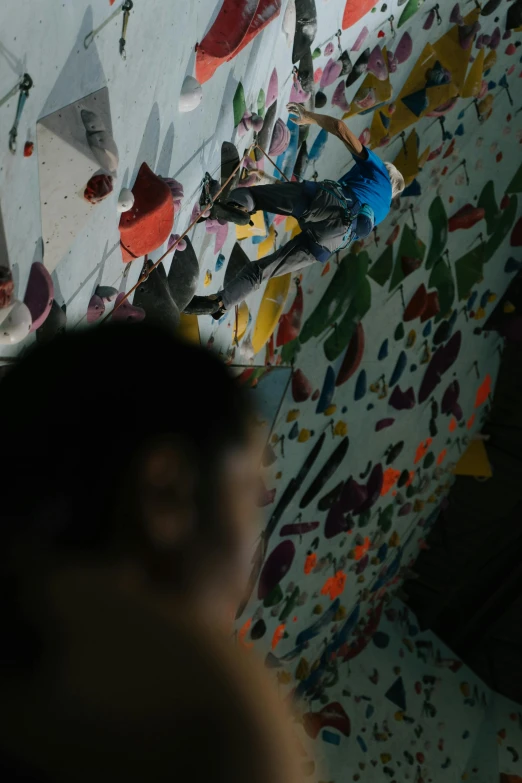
x=360, y=386
x=427, y=330
x=400, y=366
x=362, y=744
x=397, y=694
x=220, y=261
x=327, y=392
x=381, y=639
x=413, y=368
x=471, y=301
x=370, y=406
x=512, y=265
x=459, y=130
x=294, y=432
x=383, y=351
x=329, y=736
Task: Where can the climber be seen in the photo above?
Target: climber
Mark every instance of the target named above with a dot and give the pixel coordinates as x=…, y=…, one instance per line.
x=330, y=214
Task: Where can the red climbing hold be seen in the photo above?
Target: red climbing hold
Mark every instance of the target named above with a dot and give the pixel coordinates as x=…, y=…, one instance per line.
x=417, y=304
x=148, y=224
x=409, y=265
x=236, y=25
x=352, y=357
x=290, y=322
x=516, y=234
x=466, y=217
x=301, y=387
x=432, y=306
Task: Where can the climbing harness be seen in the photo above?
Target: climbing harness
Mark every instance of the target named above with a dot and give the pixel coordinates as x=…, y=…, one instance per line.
x=171, y=249
x=24, y=87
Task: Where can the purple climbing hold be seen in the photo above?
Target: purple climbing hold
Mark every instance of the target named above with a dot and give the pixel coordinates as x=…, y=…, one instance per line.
x=429, y=20
x=405, y=509
x=392, y=62
x=456, y=16
x=106, y=292
x=441, y=361
x=39, y=294
x=495, y=39
x=280, y=138
x=339, y=97
x=402, y=400
x=353, y=496
x=382, y=424
x=329, y=49
x=126, y=311
x=272, y=90
x=95, y=310
x=450, y=398
x=404, y=48
x=376, y=64
x=276, y=566
x=467, y=33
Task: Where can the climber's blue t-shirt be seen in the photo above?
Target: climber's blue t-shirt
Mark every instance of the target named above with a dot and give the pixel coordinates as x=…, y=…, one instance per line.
x=368, y=179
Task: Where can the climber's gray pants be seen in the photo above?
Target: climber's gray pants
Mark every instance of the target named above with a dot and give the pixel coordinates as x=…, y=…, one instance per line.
x=320, y=216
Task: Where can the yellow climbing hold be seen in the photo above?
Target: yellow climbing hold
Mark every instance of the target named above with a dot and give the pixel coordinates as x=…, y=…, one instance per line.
x=242, y=322
x=418, y=505
x=399, y=715
x=208, y=277
x=267, y=245
x=279, y=475
x=385, y=758
x=188, y=328
x=293, y=415
x=490, y=60
x=340, y=614
x=341, y=428
x=270, y=310
x=303, y=436
x=394, y=539
x=509, y=307
x=318, y=609
x=257, y=230
x=361, y=578
x=480, y=313
x=330, y=410
x=412, y=336
x=303, y=670
x=284, y=678
x=464, y=689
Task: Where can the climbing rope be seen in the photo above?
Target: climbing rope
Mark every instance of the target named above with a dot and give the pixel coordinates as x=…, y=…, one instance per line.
x=267, y=156
x=145, y=275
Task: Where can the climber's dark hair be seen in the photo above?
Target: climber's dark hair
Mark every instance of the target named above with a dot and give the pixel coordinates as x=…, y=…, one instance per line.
x=77, y=411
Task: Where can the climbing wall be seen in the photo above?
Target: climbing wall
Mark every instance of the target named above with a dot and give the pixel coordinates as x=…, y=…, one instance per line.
x=372, y=372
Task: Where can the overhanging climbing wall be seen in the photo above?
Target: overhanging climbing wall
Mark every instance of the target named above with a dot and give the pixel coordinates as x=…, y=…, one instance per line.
x=383, y=372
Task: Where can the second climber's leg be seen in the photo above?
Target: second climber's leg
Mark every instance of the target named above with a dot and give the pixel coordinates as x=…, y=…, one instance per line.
x=283, y=198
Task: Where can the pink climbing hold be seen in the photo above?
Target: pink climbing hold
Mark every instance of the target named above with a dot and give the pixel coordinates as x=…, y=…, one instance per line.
x=329, y=49
x=331, y=72
x=39, y=294
x=280, y=138
x=126, y=311
x=361, y=38
x=272, y=90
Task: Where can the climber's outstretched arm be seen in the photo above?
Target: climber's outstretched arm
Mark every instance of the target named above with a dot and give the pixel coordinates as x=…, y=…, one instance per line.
x=330, y=125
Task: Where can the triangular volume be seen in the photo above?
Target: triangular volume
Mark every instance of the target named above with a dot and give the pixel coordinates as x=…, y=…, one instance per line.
x=416, y=102
x=66, y=162
x=397, y=694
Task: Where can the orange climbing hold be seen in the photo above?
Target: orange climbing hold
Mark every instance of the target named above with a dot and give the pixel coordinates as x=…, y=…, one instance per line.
x=422, y=450
x=334, y=586
x=390, y=478
x=483, y=391
x=362, y=549
x=471, y=421
x=147, y=225
x=310, y=563
x=452, y=426
x=241, y=635
x=354, y=11
x=278, y=635
x=442, y=456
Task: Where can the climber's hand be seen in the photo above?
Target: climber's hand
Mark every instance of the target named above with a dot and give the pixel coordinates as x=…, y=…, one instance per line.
x=302, y=116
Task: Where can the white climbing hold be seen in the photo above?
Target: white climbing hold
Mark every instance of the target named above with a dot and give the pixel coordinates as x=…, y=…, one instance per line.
x=125, y=200
x=100, y=141
x=191, y=95
x=15, y=323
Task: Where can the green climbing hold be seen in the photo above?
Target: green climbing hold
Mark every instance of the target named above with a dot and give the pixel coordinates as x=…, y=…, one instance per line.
x=488, y=203
x=316, y=53
x=381, y=270
x=385, y=518
x=333, y=302
x=290, y=350
x=429, y=459
x=410, y=247
x=515, y=186
x=399, y=332
x=502, y=229
x=364, y=518
x=261, y=103
x=239, y=104
x=441, y=278
x=411, y=8
x=274, y=597
x=359, y=300
x=439, y=231
x=469, y=270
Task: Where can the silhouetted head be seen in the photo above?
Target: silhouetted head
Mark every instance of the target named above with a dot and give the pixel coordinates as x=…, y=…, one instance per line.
x=122, y=444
